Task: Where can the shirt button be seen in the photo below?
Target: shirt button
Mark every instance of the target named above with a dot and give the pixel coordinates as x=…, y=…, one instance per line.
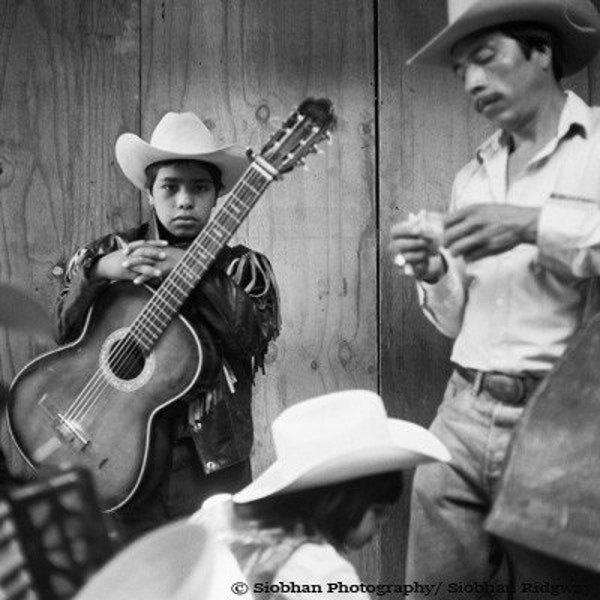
x=211, y=466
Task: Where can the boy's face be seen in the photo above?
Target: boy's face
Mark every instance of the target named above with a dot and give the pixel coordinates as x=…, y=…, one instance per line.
x=183, y=196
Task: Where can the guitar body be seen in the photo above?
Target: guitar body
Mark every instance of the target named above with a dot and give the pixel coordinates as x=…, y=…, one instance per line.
x=85, y=405
x=92, y=403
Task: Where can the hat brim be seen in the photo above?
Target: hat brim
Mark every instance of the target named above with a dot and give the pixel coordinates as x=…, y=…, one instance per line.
x=162, y=564
x=411, y=445
x=576, y=25
x=134, y=155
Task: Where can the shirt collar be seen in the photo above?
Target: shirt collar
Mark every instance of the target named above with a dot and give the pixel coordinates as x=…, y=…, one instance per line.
x=576, y=117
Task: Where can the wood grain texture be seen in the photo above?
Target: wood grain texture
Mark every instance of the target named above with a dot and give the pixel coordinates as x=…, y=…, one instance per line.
x=428, y=132
x=68, y=86
x=73, y=75
x=242, y=67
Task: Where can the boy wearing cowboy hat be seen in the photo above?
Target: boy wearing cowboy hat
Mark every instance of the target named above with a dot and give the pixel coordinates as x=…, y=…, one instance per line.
x=338, y=470
x=207, y=435
x=519, y=257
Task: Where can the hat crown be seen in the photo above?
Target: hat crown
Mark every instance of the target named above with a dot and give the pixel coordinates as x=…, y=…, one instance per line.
x=183, y=133
x=330, y=426
x=576, y=23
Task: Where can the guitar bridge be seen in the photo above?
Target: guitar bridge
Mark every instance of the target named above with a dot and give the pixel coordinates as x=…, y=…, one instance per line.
x=67, y=430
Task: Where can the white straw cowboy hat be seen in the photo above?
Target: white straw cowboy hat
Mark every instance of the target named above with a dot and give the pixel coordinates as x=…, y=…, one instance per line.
x=178, y=561
x=576, y=23
x=179, y=136
x=338, y=437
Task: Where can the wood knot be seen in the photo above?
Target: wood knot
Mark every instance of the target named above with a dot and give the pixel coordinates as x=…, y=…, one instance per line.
x=263, y=112
x=7, y=171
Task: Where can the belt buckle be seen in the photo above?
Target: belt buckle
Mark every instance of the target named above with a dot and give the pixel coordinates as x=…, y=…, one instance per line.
x=478, y=382
x=508, y=389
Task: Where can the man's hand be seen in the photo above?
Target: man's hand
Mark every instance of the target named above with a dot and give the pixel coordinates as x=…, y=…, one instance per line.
x=483, y=230
x=416, y=251
x=140, y=261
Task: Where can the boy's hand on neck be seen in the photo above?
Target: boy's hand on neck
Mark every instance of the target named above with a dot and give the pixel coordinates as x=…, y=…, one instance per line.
x=140, y=261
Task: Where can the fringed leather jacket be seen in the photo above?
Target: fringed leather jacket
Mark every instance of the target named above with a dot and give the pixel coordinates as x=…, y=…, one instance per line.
x=237, y=303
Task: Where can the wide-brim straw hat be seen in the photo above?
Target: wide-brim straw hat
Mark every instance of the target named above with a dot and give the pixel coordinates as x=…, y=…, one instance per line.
x=179, y=136
x=178, y=561
x=576, y=23
x=338, y=437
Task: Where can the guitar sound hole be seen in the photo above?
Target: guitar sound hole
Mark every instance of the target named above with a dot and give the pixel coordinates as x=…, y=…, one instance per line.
x=126, y=359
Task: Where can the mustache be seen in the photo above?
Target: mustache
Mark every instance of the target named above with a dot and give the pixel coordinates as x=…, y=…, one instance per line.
x=483, y=101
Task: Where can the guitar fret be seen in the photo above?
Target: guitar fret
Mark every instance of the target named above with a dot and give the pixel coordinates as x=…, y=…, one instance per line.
x=215, y=235
x=158, y=312
x=138, y=336
x=199, y=266
x=167, y=301
x=246, y=184
x=188, y=277
x=183, y=291
x=157, y=323
x=232, y=207
x=149, y=327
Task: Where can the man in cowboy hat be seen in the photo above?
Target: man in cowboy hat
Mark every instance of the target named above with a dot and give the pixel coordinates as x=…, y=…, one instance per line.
x=207, y=435
x=519, y=254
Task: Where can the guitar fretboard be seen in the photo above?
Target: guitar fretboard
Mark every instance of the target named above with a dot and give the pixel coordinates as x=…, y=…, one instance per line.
x=176, y=288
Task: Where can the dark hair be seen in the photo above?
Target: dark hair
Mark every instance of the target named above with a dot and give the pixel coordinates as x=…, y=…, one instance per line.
x=331, y=511
x=530, y=36
x=214, y=171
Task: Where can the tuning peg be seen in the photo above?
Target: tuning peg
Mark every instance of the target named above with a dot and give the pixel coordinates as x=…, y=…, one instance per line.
x=329, y=138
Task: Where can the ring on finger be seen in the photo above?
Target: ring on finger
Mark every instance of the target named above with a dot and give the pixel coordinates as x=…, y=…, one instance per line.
x=399, y=260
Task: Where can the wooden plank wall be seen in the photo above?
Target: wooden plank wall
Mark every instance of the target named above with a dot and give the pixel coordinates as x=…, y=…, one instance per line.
x=74, y=75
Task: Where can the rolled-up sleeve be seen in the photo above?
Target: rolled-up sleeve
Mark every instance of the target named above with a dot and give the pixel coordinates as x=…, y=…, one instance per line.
x=443, y=302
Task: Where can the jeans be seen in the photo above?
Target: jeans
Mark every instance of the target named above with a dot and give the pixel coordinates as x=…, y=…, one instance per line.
x=448, y=546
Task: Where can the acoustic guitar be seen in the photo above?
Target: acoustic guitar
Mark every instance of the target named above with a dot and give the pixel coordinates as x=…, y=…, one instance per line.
x=91, y=403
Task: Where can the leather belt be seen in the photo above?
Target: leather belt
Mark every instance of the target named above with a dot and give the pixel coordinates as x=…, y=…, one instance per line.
x=513, y=390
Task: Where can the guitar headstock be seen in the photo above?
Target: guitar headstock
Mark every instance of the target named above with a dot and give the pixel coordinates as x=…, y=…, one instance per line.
x=303, y=130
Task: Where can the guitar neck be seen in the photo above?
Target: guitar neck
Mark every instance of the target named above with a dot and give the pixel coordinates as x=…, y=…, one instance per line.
x=176, y=288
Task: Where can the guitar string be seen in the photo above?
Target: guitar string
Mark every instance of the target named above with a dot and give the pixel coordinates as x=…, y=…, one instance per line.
x=127, y=349
x=128, y=346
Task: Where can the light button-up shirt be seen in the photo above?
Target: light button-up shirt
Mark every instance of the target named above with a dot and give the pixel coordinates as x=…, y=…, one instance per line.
x=516, y=312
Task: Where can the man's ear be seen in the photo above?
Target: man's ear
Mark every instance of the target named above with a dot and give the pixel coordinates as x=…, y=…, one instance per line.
x=150, y=198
